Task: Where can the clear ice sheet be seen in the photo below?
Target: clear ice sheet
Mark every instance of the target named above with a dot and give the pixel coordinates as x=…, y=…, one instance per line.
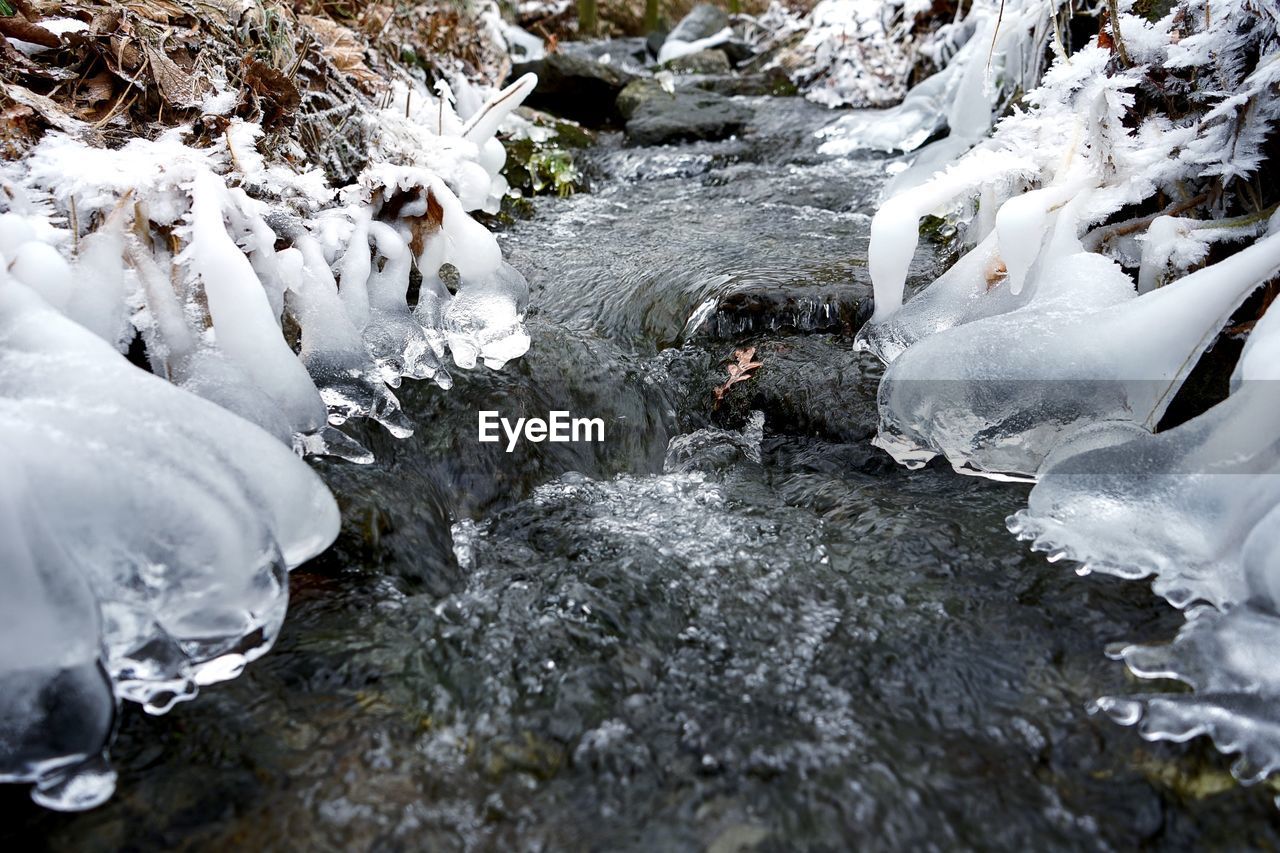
x=1190, y=494
x=198, y=590
x=996, y=395
x=57, y=707
x=181, y=499
x=1197, y=507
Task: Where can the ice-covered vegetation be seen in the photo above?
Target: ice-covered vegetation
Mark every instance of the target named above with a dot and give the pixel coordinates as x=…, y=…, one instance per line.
x=1118, y=220
x=855, y=53
x=270, y=303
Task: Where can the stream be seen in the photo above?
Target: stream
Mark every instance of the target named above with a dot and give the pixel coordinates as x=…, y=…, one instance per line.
x=715, y=630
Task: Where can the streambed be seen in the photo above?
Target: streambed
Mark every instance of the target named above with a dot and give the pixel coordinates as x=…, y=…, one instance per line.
x=712, y=630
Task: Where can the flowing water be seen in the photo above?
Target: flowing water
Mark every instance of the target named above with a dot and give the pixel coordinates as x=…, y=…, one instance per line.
x=716, y=630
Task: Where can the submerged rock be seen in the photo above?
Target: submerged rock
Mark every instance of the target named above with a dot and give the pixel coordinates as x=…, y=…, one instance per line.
x=655, y=116
x=395, y=522
x=793, y=308
x=806, y=385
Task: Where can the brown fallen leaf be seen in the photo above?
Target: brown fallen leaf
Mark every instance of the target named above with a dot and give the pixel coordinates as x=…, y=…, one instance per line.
x=278, y=97
x=96, y=89
x=159, y=11
x=342, y=47
x=1105, y=41
x=177, y=87
x=740, y=371
x=46, y=108
x=18, y=27
x=19, y=130
x=996, y=272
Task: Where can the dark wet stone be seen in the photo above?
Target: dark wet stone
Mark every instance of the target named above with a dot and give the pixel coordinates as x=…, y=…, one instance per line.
x=703, y=21
x=738, y=51
x=636, y=93
x=709, y=61
x=795, y=308
x=573, y=83
x=813, y=385
x=395, y=516
x=656, y=117
x=772, y=82
x=654, y=41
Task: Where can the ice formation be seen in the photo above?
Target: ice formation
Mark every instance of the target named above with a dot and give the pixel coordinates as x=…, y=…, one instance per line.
x=985, y=57
x=857, y=53
x=1090, y=352
x=158, y=512
x=56, y=703
x=187, y=598
x=1050, y=351
x=674, y=48
x=1136, y=504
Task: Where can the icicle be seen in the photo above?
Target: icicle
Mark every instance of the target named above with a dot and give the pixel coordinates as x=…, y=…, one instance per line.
x=98, y=303
x=333, y=350
x=395, y=338
x=968, y=291
x=484, y=124
x=241, y=312
x=997, y=394
x=674, y=48
x=260, y=244
x=326, y=326
x=905, y=127
x=1021, y=225
x=207, y=506
x=170, y=341
x=353, y=272
x=176, y=354
x=895, y=229
x=56, y=703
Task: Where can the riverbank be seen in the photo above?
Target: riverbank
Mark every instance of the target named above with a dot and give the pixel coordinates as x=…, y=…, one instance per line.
x=745, y=639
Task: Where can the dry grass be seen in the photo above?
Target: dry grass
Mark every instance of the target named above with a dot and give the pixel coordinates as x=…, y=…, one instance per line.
x=305, y=70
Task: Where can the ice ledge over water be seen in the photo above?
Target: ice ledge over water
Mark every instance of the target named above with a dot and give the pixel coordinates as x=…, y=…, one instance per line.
x=1050, y=351
x=162, y=527
x=148, y=519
